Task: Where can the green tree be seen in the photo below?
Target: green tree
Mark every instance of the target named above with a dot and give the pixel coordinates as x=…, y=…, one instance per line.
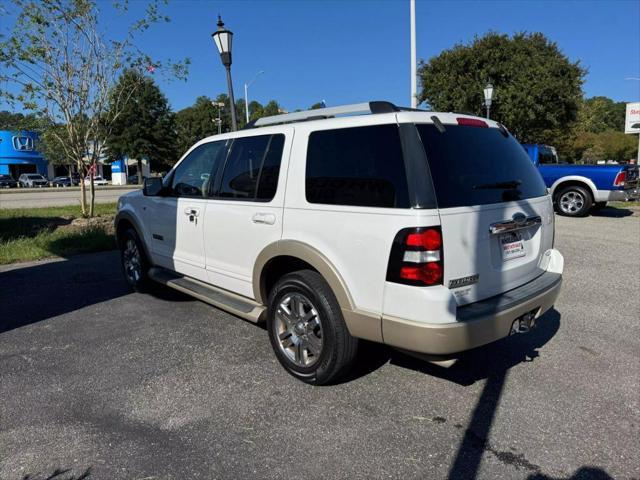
x=537, y=88
x=197, y=122
x=598, y=133
x=256, y=110
x=145, y=127
x=589, y=147
x=200, y=119
x=617, y=145
x=271, y=108
x=51, y=149
x=593, y=154
x=19, y=121
x=598, y=114
x=57, y=61
x=241, y=114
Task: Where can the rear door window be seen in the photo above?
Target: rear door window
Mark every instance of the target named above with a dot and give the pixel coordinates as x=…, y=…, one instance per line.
x=478, y=166
x=360, y=166
x=252, y=168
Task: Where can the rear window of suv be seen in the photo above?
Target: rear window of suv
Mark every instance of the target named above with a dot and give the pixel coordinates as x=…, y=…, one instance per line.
x=360, y=166
x=478, y=166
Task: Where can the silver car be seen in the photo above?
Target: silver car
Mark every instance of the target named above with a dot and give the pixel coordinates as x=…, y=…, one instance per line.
x=32, y=180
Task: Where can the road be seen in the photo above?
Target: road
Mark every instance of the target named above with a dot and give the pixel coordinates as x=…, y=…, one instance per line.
x=55, y=197
x=95, y=379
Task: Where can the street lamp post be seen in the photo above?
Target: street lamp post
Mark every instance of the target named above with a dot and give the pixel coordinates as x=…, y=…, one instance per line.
x=222, y=38
x=246, y=93
x=488, y=95
x=218, y=120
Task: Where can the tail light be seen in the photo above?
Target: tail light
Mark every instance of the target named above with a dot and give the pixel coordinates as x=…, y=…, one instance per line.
x=417, y=257
x=621, y=178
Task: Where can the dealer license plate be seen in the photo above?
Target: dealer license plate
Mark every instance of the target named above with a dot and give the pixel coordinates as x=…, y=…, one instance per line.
x=512, y=246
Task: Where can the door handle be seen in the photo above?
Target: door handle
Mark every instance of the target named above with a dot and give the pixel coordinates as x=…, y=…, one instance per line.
x=265, y=218
x=191, y=211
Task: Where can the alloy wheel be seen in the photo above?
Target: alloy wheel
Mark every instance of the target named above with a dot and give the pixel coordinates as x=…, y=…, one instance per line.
x=132, y=261
x=299, y=330
x=571, y=202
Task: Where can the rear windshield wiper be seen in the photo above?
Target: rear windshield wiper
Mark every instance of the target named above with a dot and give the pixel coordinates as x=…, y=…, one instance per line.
x=498, y=185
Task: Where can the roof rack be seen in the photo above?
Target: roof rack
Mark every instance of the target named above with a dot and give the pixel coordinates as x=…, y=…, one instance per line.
x=320, y=113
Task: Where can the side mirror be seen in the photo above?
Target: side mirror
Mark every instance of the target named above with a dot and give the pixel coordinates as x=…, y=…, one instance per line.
x=152, y=186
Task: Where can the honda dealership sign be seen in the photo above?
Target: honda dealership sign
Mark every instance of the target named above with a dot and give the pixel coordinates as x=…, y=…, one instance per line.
x=632, y=118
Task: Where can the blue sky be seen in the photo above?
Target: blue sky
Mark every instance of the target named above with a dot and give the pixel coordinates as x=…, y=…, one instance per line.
x=355, y=50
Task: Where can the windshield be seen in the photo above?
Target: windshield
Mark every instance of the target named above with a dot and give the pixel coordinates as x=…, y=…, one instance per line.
x=478, y=166
x=34, y=177
x=5, y=177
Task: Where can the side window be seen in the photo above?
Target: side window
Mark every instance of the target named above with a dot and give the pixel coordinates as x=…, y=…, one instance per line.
x=191, y=178
x=268, y=183
x=252, y=168
x=361, y=166
x=546, y=155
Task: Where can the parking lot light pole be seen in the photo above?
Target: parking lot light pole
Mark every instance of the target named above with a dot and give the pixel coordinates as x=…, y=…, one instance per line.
x=246, y=93
x=218, y=120
x=488, y=95
x=223, y=38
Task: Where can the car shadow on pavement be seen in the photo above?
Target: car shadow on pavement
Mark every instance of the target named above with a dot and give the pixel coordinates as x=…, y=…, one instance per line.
x=612, y=212
x=34, y=293
x=583, y=473
x=472, y=365
x=60, y=474
x=492, y=364
x=480, y=363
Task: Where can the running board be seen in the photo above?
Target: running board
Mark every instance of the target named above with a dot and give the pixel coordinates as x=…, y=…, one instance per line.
x=232, y=303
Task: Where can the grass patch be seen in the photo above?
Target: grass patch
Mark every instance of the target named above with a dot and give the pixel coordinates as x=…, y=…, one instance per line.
x=36, y=233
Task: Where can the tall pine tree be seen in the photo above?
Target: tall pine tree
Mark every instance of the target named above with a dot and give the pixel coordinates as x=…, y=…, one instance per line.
x=146, y=126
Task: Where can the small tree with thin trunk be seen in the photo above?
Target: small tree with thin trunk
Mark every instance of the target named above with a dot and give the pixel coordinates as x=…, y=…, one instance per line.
x=56, y=62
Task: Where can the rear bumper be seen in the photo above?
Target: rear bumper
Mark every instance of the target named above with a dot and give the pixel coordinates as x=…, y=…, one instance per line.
x=616, y=195
x=478, y=323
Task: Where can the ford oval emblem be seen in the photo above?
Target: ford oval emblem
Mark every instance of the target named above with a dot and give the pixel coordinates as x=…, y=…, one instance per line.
x=519, y=218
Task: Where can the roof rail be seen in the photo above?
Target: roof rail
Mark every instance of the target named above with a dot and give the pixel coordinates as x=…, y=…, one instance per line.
x=320, y=113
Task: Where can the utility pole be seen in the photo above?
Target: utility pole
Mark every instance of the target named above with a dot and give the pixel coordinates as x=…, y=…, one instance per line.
x=414, y=65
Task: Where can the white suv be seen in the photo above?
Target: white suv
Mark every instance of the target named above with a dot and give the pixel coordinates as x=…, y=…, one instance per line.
x=430, y=232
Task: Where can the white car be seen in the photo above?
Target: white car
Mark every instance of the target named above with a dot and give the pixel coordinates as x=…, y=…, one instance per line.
x=430, y=232
x=97, y=180
x=32, y=180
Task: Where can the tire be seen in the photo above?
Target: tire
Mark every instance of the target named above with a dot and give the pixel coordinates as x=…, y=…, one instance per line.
x=573, y=201
x=319, y=350
x=135, y=265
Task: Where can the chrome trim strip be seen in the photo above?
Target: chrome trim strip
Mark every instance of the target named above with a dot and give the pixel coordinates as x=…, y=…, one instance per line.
x=512, y=225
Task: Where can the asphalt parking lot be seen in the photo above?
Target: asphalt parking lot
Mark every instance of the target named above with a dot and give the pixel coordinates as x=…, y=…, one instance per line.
x=100, y=383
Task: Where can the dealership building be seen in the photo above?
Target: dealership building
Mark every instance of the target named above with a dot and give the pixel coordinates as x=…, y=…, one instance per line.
x=19, y=154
